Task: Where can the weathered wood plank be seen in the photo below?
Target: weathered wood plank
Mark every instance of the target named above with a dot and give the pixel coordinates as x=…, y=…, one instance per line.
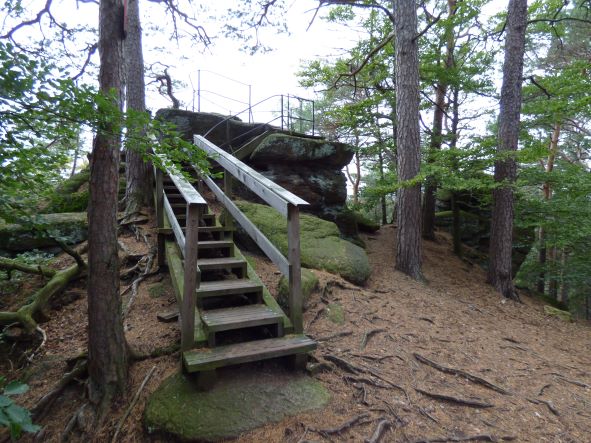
x=191, y=277
x=175, y=267
x=209, y=359
x=295, y=272
x=186, y=189
x=160, y=216
x=275, y=195
x=239, y=317
x=227, y=287
x=259, y=238
x=174, y=224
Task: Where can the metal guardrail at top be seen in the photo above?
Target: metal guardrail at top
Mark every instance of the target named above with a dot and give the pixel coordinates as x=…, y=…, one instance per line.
x=296, y=114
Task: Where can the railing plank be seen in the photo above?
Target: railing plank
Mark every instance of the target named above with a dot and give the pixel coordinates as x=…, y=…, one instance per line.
x=295, y=272
x=187, y=190
x=273, y=194
x=259, y=238
x=174, y=224
x=191, y=277
x=160, y=215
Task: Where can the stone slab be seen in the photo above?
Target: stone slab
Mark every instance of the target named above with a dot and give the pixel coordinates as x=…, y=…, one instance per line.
x=243, y=399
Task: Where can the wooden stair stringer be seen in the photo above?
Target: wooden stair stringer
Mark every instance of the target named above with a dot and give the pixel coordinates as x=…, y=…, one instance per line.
x=174, y=260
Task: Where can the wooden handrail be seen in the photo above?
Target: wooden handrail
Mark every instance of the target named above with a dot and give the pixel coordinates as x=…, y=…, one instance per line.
x=275, y=195
x=282, y=200
x=188, y=242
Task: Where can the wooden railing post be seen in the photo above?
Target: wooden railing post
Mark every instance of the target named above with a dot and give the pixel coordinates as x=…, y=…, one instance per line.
x=160, y=215
x=295, y=271
x=191, y=278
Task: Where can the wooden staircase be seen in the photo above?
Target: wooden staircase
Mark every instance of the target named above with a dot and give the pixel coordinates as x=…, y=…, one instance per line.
x=236, y=319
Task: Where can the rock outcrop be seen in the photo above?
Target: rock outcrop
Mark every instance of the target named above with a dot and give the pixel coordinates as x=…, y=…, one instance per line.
x=309, y=167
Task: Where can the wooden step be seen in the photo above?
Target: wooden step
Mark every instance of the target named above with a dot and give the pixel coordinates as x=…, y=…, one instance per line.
x=228, y=287
x=240, y=317
x=210, y=359
x=213, y=244
x=212, y=264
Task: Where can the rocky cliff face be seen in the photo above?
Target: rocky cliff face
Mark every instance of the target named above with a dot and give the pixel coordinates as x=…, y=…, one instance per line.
x=309, y=167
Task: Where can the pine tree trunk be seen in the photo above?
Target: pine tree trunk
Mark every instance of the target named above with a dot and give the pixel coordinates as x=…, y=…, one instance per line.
x=501, y=239
x=455, y=207
x=429, y=206
x=547, y=188
x=138, y=189
x=107, y=350
x=383, y=197
x=409, y=248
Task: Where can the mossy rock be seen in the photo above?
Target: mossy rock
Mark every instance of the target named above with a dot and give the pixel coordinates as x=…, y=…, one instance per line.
x=320, y=243
x=336, y=313
x=241, y=400
x=74, y=183
x=71, y=227
x=555, y=312
x=309, y=284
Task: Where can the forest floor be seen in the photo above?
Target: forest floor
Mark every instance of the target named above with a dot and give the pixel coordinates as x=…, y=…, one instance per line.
x=449, y=360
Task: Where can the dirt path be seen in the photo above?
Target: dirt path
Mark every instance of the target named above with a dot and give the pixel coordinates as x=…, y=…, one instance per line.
x=458, y=322
x=391, y=329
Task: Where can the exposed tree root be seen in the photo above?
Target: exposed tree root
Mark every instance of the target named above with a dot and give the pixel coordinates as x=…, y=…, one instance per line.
x=136, y=355
x=348, y=424
x=461, y=401
x=453, y=371
x=40, y=299
x=44, y=404
x=8, y=264
x=134, y=401
x=481, y=437
x=379, y=432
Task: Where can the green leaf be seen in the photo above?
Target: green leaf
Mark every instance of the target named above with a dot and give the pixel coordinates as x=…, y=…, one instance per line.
x=4, y=420
x=5, y=401
x=18, y=414
x=15, y=388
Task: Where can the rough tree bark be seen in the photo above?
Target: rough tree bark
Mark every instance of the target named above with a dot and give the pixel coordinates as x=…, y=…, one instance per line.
x=409, y=248
x=501, y=238
x=138, y=190
x=107, y=350
x=429, y=200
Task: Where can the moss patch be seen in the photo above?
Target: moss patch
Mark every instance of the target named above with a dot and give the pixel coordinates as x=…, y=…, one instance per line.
x=555, y=312
x=309, y=283
x=157, y=290
x=71, y=227
x=241, y=400
x=321, y=246
x=336, y=313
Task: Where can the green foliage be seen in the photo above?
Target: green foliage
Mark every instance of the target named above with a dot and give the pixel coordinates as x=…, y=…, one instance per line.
x=12, y=416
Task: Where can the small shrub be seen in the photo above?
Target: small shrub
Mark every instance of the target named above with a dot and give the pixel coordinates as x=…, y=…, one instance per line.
x=12, y=416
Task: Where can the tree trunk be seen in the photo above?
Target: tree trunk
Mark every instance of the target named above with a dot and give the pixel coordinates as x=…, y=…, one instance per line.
x=408, y=142
x=547, y=188
x=455, y=208
x=383, y=197
x=107, y=351
x=138, y=189
x=501, y=238
x=437, y=131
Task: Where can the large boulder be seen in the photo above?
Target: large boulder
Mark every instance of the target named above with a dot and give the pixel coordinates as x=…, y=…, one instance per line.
x=243, y=399
x=71, y=227
x=320, y=242
x=316, y=153
x=225, y=131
